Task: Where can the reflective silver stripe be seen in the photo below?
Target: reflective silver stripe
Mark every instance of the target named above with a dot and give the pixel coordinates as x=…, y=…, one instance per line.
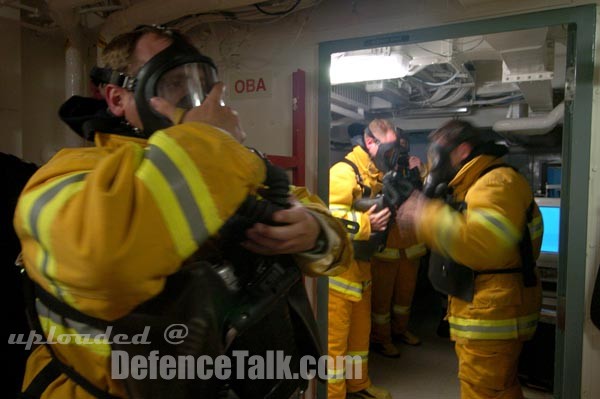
x=80, y=328
x=34, y=216
x=181, y=190
x=354, y=219
x=490, y=329
x=506, y=230
x=536, y=228
x=402, y=310
x=380, y=318
x=46, y=197
x=345, y=287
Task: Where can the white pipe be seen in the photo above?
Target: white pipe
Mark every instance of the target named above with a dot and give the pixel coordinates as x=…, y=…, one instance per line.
x=533, y=126
x=73, y=71
x=159, y=12
x=18, y=6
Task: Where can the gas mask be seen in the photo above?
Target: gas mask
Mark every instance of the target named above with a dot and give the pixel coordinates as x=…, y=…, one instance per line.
x=441, y=171
x=179, y=74
x=386, y=158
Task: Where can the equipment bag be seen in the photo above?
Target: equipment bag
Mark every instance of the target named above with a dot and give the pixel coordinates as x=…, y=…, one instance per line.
x=267, y=310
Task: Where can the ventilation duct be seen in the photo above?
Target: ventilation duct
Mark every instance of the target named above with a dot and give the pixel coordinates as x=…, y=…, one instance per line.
x=534, y=126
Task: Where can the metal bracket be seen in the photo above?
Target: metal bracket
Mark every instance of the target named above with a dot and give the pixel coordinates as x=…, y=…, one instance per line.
x=570, y=83
x=528, y=77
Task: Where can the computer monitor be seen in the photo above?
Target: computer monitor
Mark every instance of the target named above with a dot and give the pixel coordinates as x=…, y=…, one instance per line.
x=550, y=209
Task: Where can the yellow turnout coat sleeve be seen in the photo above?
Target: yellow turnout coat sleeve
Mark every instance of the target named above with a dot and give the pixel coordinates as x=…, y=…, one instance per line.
x=102, y=228
x=337, y=255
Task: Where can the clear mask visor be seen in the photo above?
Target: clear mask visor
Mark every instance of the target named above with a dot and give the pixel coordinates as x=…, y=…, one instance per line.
x=186, y=86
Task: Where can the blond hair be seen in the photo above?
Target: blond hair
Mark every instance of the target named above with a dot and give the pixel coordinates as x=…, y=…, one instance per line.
x=378, y=127
x=119, y=54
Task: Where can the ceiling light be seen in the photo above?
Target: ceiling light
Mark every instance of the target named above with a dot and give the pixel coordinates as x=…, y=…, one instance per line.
x=366, y=67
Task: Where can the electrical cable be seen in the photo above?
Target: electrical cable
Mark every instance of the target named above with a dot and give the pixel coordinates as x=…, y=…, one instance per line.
x=456, y=72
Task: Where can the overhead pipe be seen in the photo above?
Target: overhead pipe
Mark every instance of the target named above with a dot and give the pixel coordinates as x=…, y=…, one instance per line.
x=160, y=12
x=533, y=126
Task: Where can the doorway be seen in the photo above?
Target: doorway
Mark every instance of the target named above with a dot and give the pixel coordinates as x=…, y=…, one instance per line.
x=481, y=71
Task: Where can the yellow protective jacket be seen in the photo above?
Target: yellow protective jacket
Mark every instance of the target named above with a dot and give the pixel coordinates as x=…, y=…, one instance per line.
x=102, y=228
x=485, y=237
x=344, y=189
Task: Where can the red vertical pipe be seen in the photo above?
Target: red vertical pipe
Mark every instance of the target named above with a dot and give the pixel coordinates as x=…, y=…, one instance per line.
x=299, y=126
x=297, y=162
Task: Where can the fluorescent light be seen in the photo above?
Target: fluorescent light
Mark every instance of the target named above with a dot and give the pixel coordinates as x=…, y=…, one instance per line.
x=361, y=68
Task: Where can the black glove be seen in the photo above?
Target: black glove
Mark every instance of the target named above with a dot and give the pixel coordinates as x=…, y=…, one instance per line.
x=396, y=188
x=277, y=184
x=275, y=197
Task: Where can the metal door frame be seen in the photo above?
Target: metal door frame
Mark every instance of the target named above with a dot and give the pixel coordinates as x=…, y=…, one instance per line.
x=581, y=21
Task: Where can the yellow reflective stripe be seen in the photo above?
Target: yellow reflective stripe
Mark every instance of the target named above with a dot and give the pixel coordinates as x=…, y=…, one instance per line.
x=401, y=310
x=388, y=253
x=536, y=227
x=346, y=287
x=448, y=218
x=344, y=211
x=40, y=208
x=496, y=223
x=195, y=182
x=380, y=318
x=357, y=357
x=415, y=251
x=336, y=375
x=513, y=328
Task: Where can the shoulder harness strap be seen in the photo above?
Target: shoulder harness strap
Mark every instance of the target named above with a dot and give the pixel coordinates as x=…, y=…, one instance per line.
x=56, y=367
x=366, y=190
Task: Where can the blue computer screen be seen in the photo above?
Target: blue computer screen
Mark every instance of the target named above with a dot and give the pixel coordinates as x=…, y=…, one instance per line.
x=551, y=218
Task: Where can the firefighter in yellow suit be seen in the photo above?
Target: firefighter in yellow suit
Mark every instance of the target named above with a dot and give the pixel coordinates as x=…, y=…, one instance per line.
x=395, y=271
x=103, y=227
x=496, y=216
x=360, y=174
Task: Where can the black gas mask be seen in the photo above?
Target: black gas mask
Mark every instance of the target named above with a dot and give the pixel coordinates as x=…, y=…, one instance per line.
x=387, y=155
x=441, y=171
x=386, y=158
x=179, y=74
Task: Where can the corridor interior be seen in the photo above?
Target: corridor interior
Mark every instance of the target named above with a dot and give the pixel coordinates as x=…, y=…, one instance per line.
x=427, y=371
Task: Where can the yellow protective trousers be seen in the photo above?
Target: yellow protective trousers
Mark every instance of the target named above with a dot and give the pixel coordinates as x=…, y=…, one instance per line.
x=348, y=335
x=394, y=282
x=488, y=369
